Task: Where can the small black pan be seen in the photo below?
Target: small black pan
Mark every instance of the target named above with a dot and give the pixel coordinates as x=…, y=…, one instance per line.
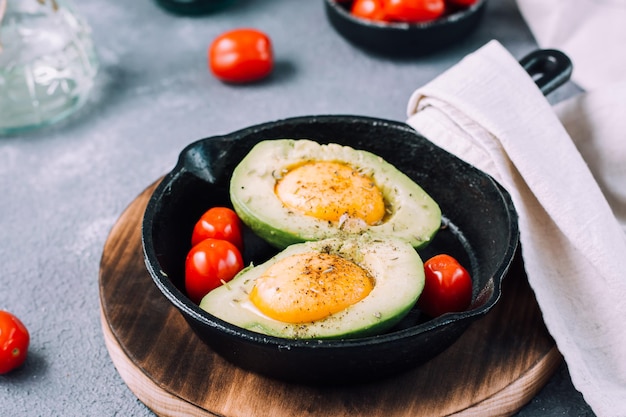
x=405, y=39
x=480, y=229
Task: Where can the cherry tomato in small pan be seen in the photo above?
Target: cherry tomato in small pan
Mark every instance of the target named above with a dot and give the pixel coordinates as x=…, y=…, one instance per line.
x=462, y=3
x=409, y=11
x=448, y=286
x=369, y=9
x=218, y=223
x=208, y=265
x=14, y=340
x=414, y=10
x=241, y=56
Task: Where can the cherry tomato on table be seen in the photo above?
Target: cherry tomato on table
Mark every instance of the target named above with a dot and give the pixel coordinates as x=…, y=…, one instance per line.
x=448, y=286
x=14, y=340
x=218, y=223
x=208, y=265
x=241, y=55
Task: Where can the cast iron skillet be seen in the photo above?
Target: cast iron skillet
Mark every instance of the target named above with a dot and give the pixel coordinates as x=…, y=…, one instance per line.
x=405, y=39
x=479, y=228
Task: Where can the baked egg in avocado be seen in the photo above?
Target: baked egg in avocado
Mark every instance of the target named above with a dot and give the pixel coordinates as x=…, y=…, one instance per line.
x=332, y=288
x=290, y=191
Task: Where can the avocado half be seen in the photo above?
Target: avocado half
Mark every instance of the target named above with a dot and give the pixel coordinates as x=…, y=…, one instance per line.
x=397, y=271
x=412, y=215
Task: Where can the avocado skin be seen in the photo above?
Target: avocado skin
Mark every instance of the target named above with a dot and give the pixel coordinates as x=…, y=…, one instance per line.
x=278, y=237
x=415, y=216
x=395, y=266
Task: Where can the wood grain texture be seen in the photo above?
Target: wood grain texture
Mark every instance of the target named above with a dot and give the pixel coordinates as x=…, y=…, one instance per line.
x=496, y=366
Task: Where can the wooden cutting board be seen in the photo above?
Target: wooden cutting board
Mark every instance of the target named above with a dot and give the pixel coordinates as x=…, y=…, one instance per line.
x=495, y=368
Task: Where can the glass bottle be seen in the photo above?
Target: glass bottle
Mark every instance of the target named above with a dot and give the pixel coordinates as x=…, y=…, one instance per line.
x=47, y=63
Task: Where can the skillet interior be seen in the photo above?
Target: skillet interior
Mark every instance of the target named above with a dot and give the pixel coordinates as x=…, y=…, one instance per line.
x=481, y=231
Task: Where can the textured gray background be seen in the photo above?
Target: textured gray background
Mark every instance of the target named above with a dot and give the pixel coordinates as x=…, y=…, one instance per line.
x=63, y=188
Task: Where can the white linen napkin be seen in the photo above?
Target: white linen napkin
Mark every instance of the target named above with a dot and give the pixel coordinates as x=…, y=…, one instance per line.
x=489, y=112
x=591, y=32
x=596, y=122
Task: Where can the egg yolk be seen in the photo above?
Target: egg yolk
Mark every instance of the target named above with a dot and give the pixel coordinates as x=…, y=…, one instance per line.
x=330, y=190
x=310, y=286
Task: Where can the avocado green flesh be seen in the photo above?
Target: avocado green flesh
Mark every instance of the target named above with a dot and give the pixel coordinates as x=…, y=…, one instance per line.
x=395, y=266
x=413, y=215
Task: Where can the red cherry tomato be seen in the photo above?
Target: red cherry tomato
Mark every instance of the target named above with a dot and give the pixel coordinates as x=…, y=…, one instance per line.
x=461, y=3
x=218, y=223
x=209, y=264
x=241, y=55
x=14, y=340
x=414, y=11
x=368, y=9
x=448, y=286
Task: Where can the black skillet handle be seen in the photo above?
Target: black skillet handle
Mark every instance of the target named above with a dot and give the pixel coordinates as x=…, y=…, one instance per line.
x=549, y=68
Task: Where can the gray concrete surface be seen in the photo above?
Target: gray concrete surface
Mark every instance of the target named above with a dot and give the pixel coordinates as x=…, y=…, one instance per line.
x=63, y=188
